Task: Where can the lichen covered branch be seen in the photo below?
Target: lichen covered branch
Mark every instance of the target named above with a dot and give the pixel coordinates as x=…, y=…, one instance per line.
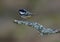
x=38, y=27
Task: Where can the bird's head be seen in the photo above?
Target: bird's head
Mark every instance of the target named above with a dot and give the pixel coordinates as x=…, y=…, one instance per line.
x=24, y=13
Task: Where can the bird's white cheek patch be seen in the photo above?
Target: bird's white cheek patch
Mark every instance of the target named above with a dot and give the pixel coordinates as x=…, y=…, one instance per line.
x=22, y=13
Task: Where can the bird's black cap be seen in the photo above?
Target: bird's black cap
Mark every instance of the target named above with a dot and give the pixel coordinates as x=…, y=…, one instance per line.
x=22, y=10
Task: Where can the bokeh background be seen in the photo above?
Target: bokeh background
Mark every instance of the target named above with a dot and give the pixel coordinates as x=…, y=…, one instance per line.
x=45, y=12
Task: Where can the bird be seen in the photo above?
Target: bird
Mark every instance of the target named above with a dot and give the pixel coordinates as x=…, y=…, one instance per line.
x=24, y=13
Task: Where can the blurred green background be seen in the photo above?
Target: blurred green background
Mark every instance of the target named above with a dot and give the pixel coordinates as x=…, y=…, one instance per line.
x=45, y=12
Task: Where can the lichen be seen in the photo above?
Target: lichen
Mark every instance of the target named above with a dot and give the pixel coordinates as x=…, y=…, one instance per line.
x=38, y=27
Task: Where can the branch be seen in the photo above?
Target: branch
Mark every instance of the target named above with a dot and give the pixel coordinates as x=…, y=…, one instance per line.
x=38, y=27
